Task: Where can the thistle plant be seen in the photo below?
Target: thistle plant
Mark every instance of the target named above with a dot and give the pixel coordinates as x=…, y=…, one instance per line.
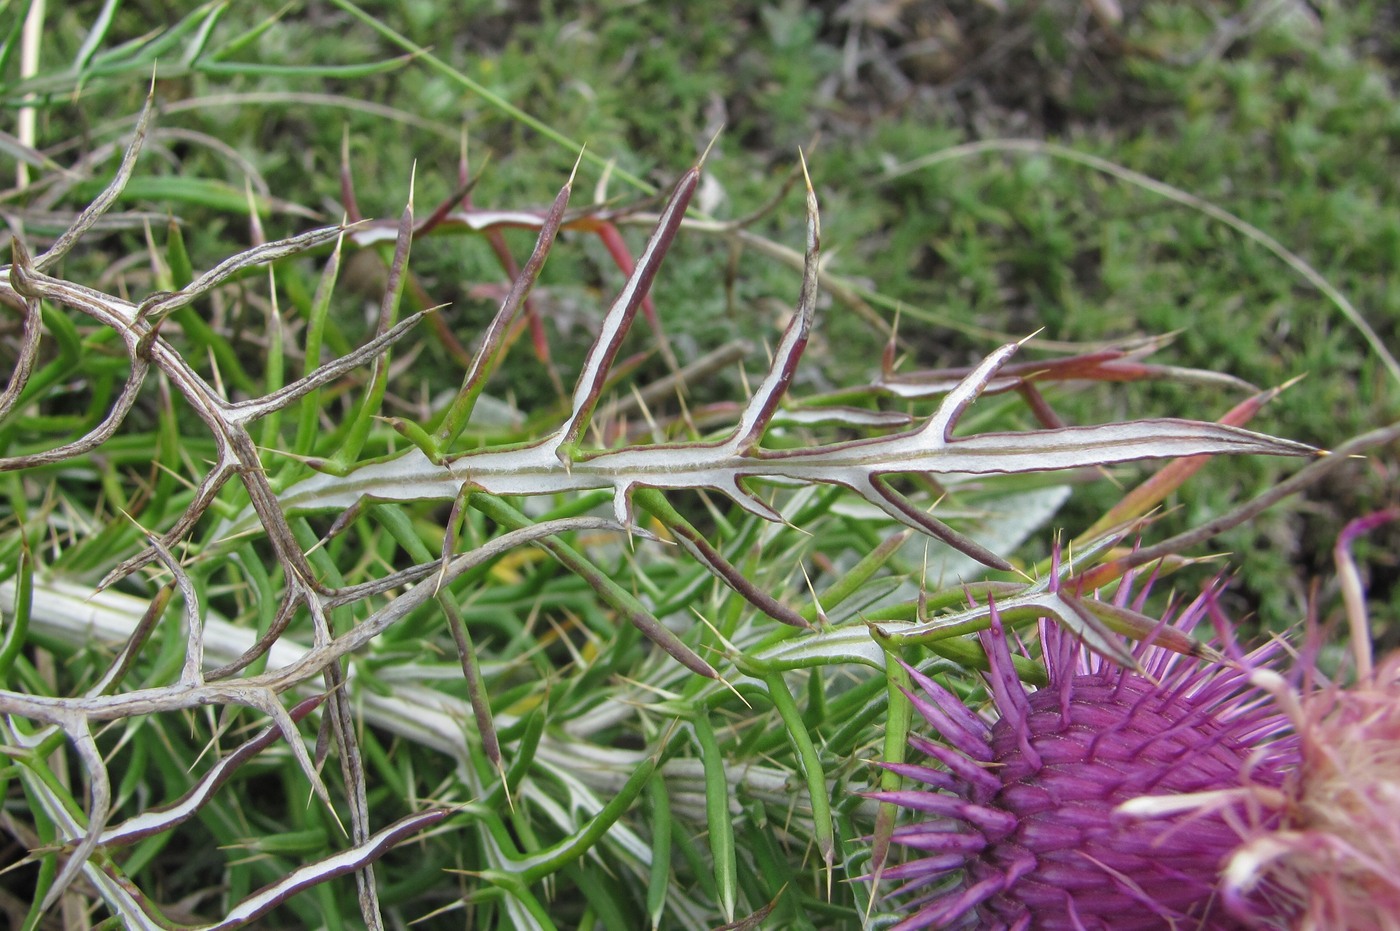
x=326, y=612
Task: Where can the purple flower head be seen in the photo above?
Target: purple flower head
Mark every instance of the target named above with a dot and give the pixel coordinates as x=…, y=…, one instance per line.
x=1020, y=823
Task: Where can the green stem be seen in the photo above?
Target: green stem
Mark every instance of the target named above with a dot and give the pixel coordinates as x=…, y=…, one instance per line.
x=811, y=765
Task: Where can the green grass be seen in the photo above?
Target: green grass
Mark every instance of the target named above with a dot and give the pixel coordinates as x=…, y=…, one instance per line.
x=1291, y=128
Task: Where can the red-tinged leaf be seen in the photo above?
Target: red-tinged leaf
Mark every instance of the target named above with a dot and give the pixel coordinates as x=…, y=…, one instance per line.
x=1105, y=365
x=775, y=384
x=489, y=354
x=347, y=181
x=619, y=317
x=622, y=257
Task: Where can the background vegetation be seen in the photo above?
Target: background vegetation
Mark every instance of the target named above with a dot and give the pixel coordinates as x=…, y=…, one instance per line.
x=1281, y=113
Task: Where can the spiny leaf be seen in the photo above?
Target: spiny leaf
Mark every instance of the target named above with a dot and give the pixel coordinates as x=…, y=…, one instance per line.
x=555, y=464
